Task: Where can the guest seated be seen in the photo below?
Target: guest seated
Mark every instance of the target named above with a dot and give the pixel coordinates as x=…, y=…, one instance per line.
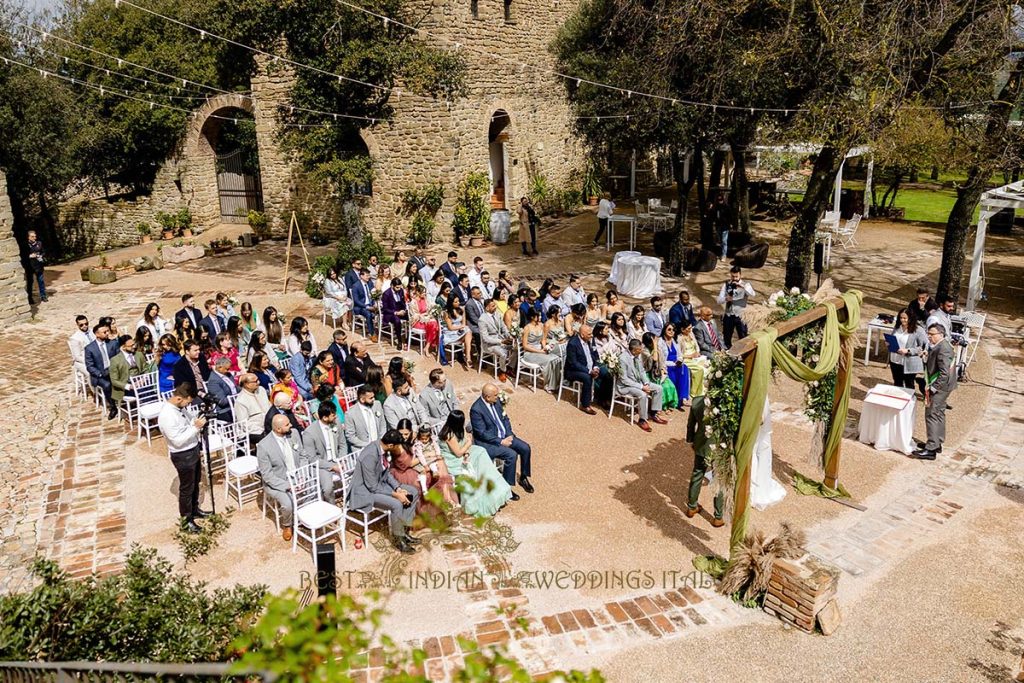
x=617, y=332
x=487, y=491
x=264, y=372
x=682, y=310
x=223, y=347
x=633, y=381
x=327, y=394
x=412, y=471
x=125, y=365
x=455, y=330
x=192, y=368
x=375, y=381
x=708, y=339
x=97, y=363
x=511, y=314
x=396, y=370
x=300, y=365
x=493, y=431
x=144, y=342
x=494, y=338
x=654, y=320
x=77, y=342
x=653, y=366
x=299, y=333
x=695, y=362
x=554, y=298
x=152, y=321
x=363, y=304
x=213, y=323
x=427, y=450
x=612, y=304
x=673, y=366
x=339, y=347
x=529, y=302
x=356, y=364
x=419, y=307
x=325, y=370
x=221, y=388
x=403, y=405
x=275, y=334
x=282, y=406
x=279, y=453
x=577, y=316
x=168, y=353
x=326, y=444
x=394, y=311
x=258, y=344
x=439, y=399
x=554, y=328
x=635, y=325
x=374, y=485
x=581, y=366
x=336, y=298
x=364, y=422
x=251, y=407
x=536, y=349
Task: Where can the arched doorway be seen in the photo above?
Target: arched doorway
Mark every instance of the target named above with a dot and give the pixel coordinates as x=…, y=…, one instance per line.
x=497, y=140
x=231, y=134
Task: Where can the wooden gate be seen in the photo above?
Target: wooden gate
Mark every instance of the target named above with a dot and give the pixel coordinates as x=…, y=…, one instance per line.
x=239, y=192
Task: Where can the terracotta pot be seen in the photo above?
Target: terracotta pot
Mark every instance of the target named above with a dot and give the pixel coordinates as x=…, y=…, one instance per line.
x=186, y=232
x=463, y=241
x=168, y=234
x=591, y=201
x=146, y=239
x=476, y=241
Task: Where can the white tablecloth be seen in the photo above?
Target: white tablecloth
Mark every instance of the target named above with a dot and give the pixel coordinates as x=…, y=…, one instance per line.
x=617, y=265
x=888, y=428
x=639, y=276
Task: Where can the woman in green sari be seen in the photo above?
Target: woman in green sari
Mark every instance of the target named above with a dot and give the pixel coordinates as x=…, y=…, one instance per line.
x=490, y=491
x=654, y=367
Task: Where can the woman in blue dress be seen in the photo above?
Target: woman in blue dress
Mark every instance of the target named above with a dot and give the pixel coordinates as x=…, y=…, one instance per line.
x=168, y=352
x=673, y=364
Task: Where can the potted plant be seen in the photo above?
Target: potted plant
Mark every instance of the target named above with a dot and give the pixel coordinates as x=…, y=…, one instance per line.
x=145, y=231
x=591, y=185
x=471, y=217
x=168, y=224
x=222, y=245
x=258, y=223
x=184, y=218
x=102, y=274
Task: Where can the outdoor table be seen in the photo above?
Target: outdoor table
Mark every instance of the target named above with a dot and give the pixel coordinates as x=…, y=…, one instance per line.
x=887, y=419
x=616, y=273
x=825, y=237
x=610, y=234
x=639, y=276
x=882, y=328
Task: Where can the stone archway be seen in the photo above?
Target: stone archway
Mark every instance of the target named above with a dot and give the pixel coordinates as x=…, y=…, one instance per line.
x=498, y=138
x=221, y=188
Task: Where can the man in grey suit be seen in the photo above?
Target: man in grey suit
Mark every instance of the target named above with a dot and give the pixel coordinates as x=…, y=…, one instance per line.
x=374, y=485
x=438, y=399
x=402, y=404
x=324, y=442
x=941, y=378
x=221, y=388
x=279, y=453
x=633, y=381
x=364, y=422
x=708, y=339
x=655, y=319
x=495, y=338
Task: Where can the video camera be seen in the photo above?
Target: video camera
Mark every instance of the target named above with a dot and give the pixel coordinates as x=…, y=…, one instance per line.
x=207, y=406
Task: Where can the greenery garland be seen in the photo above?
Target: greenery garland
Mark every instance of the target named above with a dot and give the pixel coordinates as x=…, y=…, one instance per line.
x=723, y=406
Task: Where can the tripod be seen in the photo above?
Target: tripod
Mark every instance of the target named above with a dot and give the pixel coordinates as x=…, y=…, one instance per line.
x=204, y=436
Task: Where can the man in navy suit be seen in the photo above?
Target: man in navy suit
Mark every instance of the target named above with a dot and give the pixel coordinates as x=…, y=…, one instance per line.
x=352, y=276
x=191, y=368
x=450, y=268
x=682, y=310
x=363, y=304
x=493, y=432
x=188, y=310
x=221, y=387
x=581, y=366
x=97, y=363
x=214, y=322
x=339, y=347
x=462, y=289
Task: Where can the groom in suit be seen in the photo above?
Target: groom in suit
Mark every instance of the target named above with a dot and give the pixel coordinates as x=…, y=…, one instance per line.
x=492, y=430
x=941, y=378
x=696, y=435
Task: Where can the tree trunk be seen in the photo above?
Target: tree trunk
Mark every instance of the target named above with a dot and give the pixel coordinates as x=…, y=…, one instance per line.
x=740, y=191
x=913, y=175
x=683, y=186
x=698, y=172
x=935, y=173
x=715, y=177
x=968, y=194
x=801, y=237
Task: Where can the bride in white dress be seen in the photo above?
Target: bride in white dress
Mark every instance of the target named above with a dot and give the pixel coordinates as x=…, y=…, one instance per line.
x=764, y=489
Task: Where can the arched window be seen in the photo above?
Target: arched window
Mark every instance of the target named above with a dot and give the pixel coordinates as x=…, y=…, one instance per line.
x=474, y=8
x=508, y=10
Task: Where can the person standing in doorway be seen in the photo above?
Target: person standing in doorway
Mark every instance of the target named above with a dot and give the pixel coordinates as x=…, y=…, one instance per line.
x=528, y=219
x=36, y=261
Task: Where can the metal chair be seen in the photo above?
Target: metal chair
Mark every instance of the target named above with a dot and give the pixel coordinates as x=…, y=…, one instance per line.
x=975, y=321
x=574, y=385
x=483, y=354
x=149, y=402
x=525, y=367
x=846, y=235
x=630, y=402
x=416, y=335
x=311, y=511
x=361, y=518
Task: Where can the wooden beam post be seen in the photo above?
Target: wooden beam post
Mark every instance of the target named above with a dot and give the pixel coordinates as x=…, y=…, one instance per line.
x=288, y=252
x=741, y=494
x=842, y=379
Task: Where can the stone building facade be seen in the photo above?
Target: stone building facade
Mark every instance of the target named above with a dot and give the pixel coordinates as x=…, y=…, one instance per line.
x=13, y=297
x=514, y=123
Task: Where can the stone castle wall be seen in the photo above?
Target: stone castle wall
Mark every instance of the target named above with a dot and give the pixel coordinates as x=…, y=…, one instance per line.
x=427, y=140
x=13, y=297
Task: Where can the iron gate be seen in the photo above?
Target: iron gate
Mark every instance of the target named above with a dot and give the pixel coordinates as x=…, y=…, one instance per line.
x=239, y=192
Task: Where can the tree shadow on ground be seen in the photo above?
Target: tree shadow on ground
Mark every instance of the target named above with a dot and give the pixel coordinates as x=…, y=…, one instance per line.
x=658, y=495
x=1001, y=640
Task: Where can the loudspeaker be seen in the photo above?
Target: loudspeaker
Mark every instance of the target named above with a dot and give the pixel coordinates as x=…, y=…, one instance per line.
x=326, y=580
x=819, y=258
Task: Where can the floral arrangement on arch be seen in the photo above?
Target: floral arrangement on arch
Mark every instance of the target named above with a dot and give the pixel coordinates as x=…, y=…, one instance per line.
x=723, y=407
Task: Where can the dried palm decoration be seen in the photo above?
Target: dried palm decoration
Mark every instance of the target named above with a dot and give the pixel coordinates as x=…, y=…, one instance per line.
x=751, y=568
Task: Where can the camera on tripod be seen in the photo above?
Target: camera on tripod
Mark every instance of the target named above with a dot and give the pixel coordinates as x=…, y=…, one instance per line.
x=207, y=406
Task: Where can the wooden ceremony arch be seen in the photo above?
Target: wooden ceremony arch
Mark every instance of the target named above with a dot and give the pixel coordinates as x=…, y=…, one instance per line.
x=757, y=353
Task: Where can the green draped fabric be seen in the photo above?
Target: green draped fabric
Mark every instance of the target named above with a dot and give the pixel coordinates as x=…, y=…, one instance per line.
x=761, y=376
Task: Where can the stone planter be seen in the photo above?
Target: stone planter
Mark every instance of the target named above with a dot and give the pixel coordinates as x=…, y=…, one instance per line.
x=85, y=273
x=102, y=276
x=476, y=241
x=221, y=248
x=125, y=272
x=188, y=252
x=501, y=226
x=463, y=241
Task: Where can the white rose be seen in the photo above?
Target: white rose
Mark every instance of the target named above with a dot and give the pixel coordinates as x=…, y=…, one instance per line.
x=814, y=359
x=804, y=295
x=814, y=383
x=715, y=411
x=773, y=299
x=718, y=374
x=794, y=291
x=708, y=430
x=722, y=445
x=713, y=447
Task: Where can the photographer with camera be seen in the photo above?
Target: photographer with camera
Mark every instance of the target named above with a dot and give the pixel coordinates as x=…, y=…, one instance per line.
x=733, y=296
x=183, y=443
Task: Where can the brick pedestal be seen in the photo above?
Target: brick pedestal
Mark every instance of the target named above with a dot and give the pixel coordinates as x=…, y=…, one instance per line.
x=800, y=589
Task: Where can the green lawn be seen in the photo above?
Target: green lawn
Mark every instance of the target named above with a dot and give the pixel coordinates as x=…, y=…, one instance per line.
x=931, y=206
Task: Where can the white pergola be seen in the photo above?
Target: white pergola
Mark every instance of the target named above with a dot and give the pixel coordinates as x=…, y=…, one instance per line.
x=992, y=202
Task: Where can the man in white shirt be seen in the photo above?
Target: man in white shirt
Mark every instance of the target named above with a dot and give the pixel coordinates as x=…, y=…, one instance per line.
x=574, y=294
x=428, y=269
x=279, y=453
x=733, y=296
x=487, y=286
x=605, y=209
x=77, y=342
x=554, y=298
x=476, y=272
x=182, y=436
x=941, y=316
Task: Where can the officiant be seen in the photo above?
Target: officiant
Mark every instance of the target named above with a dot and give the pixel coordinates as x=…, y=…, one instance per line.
x=907, y=346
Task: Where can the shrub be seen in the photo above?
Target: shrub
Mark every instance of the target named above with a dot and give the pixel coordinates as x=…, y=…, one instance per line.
x=472, y=214
x=149, y=612
x=423, y=206
x=258, y=222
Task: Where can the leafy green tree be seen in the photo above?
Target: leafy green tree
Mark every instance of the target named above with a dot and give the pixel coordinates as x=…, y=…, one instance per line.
x=148, y=612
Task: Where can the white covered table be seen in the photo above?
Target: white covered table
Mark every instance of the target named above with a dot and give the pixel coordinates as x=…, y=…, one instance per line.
x=617, y=265
x=639, y=276
x=877, y=328
x=887, y=419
